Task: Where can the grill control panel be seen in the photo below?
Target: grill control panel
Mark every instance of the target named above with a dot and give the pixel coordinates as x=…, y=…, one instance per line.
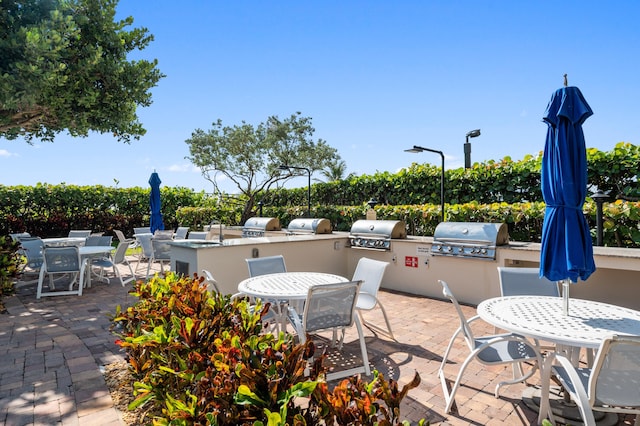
x=462, y=250
x=370, y=243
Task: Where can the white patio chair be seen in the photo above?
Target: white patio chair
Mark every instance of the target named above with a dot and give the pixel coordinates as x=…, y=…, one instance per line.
x=212, y=284
x=19, y=235
x=141, y=230
x=181, y=233
x=119, y=258
x=611, y=385
x=121, y=238
x=331, y=307
x=266, y=265
x=98, y=240
x=163, y=234
x=62, y=261
x=32, y=249
x=271, y=265
x=524, y=282
x=370, y=272
x=146, y=253
x=507, y=348
x=161, y=253
x=79, y=233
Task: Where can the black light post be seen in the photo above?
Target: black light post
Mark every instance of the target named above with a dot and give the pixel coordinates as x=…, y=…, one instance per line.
x=467, y=147
x=599, y=197
x=417, y=148
x=287, y=167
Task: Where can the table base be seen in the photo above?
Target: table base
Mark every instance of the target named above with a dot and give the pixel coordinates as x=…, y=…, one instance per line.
x=564, y=412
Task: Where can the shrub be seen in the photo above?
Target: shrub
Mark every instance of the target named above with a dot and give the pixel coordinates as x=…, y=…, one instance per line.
x=199, y=358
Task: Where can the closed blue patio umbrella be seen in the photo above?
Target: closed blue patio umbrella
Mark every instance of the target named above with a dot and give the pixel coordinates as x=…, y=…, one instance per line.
x=567, y=250
x=155, y=222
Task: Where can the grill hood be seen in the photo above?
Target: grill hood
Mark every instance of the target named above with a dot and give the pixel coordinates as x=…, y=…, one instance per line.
x=376, y=234
x=309, y=226
x=257, y=226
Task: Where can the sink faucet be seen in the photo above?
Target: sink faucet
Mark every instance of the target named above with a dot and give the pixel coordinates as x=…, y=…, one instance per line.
x=217, y=222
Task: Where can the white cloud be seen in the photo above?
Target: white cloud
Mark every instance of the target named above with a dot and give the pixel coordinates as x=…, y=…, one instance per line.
x=182, y=168
x=5, y=153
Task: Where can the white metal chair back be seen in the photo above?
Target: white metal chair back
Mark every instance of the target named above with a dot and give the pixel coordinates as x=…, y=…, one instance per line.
x=145, y=243
x=61, y=260
x=330, y=306
x=212, y=284
x=98, y=240
x=120, y=236
x=524, y=282
x=142, y=230
x=370, y=272
x=161, y=249
x=611, y=385
x=161, y=253
x=266, y=265
x=33, y=250
x=19, y=235
x=162, y=234
x=79, y=233
x=181, y=233
x=614, y=384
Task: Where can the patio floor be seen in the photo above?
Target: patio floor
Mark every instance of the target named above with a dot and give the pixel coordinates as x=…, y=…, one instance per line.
x=53, y=350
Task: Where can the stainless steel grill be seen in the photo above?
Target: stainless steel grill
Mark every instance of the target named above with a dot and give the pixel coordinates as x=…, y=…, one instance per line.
x=257, y=226
x=469, y=239
x=376, y=234
x=309, y=226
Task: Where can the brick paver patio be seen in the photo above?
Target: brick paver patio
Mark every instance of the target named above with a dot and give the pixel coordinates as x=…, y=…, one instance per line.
x=53, y=350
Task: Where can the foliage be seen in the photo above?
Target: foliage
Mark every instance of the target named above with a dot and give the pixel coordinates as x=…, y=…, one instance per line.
x=52, y=210
x=199, y=358
x=10, y=262
x=63, y=66
x=615, y=172
x=335, y=171
x=249, y=156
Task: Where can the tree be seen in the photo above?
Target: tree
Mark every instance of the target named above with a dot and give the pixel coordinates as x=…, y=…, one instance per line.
x=335, y=171
x=249, y=156
x=63, y=66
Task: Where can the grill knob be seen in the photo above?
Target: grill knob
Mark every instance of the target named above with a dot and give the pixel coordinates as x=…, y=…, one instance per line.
x=483, y=251
x=449, y=249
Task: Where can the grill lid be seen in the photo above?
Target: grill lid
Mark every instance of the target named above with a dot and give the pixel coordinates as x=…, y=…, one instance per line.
x=480, y=233
x=469, y=239
x=309, y=226
x=263, y=223
x=379, y=228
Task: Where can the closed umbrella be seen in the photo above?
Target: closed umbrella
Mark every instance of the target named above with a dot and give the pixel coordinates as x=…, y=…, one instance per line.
x=567, y=251
x=155, y=222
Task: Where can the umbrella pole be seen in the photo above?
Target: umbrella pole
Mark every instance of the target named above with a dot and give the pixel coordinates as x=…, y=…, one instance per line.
x=565, y=296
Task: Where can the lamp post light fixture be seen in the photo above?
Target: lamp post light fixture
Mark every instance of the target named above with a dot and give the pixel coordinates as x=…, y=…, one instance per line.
x=467, y=147
x=287, y=167
x=417, y=148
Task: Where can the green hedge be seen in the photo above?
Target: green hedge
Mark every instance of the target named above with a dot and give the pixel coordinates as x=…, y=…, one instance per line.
x=615, y=172
x=509, y=191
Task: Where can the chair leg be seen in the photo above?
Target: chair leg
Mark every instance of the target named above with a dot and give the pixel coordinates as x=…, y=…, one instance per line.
x=363, y=346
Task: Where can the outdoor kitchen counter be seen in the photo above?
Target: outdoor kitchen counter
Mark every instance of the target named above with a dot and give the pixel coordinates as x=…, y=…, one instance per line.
x=412, y=268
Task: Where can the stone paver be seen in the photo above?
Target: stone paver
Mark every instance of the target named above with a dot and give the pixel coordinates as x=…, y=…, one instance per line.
x=53, y=349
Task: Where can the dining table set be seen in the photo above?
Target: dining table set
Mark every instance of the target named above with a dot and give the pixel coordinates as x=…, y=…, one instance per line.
x=542, y=318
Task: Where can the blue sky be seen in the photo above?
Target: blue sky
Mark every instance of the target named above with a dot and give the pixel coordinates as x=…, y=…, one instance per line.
x=376, y=77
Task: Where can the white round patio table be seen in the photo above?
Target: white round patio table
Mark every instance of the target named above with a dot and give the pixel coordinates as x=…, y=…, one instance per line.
x=542, y=317
x=286, y=285
x=64, y=241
